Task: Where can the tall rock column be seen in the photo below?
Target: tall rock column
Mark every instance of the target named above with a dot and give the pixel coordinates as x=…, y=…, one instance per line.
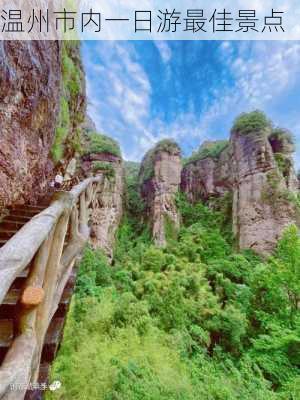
x=207, y=172
x=160, y=179
x=262, y=207
x=103, y=157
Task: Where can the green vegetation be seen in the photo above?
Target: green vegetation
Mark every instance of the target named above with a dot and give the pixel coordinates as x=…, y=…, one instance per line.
x=62, y=130
x=105, y=167
x=208, y=149
x=192, y=321
x=71, y=75
x=134, y=204
x=282, y=135
x=69, y=115
x=254, y=123
x=284, y=163
x=98, y=143
x=147, y=167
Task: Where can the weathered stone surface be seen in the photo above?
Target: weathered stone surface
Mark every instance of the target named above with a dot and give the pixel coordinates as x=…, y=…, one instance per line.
x=261, y=206
x=29, y=90
x=259, y=173
x=108, y=204
x=31, y=86
x=71, y=169
x=207, y=177
x=159, y=190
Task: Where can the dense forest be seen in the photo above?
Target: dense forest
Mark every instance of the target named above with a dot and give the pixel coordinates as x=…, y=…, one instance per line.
x=193, y=320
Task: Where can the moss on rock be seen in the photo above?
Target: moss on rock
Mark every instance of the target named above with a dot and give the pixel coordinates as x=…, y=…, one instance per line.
x=72, y=103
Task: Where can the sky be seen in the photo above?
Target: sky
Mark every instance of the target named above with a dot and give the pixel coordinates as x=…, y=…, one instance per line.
x=140, y=92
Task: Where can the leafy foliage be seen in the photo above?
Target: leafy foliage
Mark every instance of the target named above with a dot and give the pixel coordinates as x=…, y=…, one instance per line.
x=254, y=123
x=105, y=167
x=208, y=149
x=147, y=166
x=68, y=117
x=62, y=130
x=193, y=320
x=280, y=135
x=134, y=203
x=102, y=144
x=284, y=163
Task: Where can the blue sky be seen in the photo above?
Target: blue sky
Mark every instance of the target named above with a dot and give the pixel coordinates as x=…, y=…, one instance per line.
x=141, y=92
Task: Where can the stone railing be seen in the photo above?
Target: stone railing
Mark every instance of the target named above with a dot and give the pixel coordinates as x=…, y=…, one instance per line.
x=50, y=242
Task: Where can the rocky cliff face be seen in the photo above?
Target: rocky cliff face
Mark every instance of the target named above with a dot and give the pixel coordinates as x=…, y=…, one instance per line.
x=256, y=167
x=103, y=156
x=262, y=203
x=32, y=76
x=160, y=179
x=208, y=173
x=29, y=89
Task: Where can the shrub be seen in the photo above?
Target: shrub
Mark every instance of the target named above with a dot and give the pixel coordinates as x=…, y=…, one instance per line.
x=193, y=320
x=147, y=166
x=71, y=87
x=281, y=135
x=62, y=130
x=208, y=149
x=254, y=123
x=105, y=167
x=102, y=144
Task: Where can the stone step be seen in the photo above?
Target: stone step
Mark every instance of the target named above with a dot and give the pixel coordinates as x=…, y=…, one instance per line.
x=18, y=217
x=29, y=207
x=6, y=336
x=24, y=212
x=7, y=233
x=11, y=224
x=19, y=281
x=53, y=339
x=8, y=308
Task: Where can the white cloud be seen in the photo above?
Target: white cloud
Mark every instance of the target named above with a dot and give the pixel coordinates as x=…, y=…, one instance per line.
x=120, y=91
x=164, y=50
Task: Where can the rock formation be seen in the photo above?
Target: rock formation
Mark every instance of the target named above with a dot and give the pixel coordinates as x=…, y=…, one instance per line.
x=256, y=167
x=160, y=179
x=29, y=89
x=34, y=123
x=104, y=157
x=207, y=173
x=262, y=191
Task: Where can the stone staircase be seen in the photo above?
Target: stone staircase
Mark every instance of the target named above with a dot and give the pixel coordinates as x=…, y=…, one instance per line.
x=10, y=225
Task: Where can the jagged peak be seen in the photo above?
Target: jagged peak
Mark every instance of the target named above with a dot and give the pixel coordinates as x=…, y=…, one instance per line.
x=100, y=143
x=147, y=165
x=254, y=123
